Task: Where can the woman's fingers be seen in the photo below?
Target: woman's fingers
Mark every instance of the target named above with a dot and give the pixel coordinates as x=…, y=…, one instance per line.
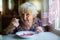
x=15, y=22
x=39, y=29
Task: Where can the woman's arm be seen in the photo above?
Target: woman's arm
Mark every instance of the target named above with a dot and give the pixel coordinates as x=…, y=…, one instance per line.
x=13, y=25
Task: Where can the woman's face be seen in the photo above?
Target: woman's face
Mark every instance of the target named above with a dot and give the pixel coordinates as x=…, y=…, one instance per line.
x=26, y=17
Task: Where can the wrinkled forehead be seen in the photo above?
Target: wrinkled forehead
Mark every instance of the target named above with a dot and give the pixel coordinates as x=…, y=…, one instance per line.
x=26, y=11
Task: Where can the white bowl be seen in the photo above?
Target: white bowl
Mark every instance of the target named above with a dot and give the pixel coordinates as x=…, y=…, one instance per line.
x=25, y=34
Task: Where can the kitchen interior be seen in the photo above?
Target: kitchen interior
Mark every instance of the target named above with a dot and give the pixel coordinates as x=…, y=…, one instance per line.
x=47, y=13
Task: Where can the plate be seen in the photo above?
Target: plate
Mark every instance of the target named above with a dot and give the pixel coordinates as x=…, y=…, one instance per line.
x=25, y=34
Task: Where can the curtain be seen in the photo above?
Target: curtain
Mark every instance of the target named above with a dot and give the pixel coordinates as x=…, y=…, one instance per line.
x=54, y=13
x=44, y=14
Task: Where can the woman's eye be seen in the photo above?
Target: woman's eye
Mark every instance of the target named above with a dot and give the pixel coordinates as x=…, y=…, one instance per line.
x=27, y=14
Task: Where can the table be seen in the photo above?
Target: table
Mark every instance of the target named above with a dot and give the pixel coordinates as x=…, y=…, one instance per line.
x=40, y=36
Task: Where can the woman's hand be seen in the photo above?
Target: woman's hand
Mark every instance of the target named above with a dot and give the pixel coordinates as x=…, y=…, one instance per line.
x=15, y=22
x=38, y=29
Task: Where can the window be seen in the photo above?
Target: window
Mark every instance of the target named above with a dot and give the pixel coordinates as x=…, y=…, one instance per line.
x=57, y=25
x=57, y=19
x=0, y=5
x=54, y=13
x=9, y=4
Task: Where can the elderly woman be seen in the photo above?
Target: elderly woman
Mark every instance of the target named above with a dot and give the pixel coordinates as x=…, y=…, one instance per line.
x=28, y=20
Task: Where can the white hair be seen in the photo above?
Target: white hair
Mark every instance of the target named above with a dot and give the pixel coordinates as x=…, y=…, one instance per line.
x=29, y=6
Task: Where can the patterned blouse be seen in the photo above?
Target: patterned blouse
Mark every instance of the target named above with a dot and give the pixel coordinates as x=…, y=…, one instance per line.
x=36, y=22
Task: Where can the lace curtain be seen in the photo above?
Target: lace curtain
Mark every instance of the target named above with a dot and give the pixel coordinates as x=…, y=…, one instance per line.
x=54, y=13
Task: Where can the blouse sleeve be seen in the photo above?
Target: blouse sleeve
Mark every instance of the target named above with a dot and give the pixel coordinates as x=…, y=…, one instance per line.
x=9, y=29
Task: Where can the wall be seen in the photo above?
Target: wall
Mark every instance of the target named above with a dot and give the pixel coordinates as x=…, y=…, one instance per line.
x=55, y=31
x=52, y=29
